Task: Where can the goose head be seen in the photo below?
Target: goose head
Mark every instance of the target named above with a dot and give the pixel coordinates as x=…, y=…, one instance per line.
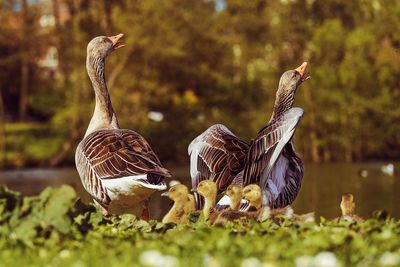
x=291, y=79
x=252, y=193
x=234, y=192
x=102, y=46
x=288, y=84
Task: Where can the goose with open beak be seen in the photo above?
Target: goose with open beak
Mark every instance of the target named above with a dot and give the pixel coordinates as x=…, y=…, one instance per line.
x=269, y=160
x=117, y=166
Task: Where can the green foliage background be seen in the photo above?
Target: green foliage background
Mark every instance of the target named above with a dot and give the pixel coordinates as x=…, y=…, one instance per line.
x=56, y=229
x=205, y=62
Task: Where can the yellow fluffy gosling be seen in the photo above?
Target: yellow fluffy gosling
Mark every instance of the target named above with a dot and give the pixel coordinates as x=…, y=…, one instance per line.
x=234, y=192
x=183, y=204
x=190, y=205
x=348, y=206
x=253, y=194
x=208, y=189
x=288, y=212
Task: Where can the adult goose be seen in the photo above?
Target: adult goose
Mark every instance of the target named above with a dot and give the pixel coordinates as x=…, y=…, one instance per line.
x=269, y=160
x=117, y=166
x=272, y=161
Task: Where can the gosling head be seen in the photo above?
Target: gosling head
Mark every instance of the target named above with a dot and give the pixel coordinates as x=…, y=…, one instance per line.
x=347, y=198
x=253, y=194
x=177, y=192
x=347, y=205
x=208, y=189
x=234, y=192
x=102, y=46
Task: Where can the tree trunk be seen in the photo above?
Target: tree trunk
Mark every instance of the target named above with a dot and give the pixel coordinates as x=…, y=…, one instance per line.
x=23, y=94
x=2, y=133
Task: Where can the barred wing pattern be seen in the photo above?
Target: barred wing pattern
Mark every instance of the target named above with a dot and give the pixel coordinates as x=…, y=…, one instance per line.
x=266, y=149
x=115, y=153
x=217, y=154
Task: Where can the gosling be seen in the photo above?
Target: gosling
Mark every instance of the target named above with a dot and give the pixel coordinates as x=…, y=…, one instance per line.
x=234, y=192
x=251, y=193
x=208, y=189
x=348, y=206
x=288, y=212
x=183, y=205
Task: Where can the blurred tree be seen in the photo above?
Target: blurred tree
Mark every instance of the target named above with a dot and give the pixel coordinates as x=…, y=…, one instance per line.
x=2, y=132
x=26, y=32
x=203, y=62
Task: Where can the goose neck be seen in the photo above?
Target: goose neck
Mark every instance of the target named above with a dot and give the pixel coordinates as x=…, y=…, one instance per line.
x=103, y=116
x=283, y=102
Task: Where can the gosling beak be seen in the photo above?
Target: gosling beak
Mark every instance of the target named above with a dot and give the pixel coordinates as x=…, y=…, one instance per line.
x=116, y=41
x=302, y=70
x=165, y=194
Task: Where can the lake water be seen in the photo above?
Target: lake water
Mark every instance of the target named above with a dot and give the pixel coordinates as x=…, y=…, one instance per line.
x=321, y=191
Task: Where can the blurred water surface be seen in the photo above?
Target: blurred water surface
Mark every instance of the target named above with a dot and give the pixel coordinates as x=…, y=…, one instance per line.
x=321, y=190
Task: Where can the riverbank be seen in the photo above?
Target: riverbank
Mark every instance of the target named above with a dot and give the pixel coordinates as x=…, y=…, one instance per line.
x=321, y=191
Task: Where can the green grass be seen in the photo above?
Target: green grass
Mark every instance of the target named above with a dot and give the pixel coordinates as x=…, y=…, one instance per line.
x=54, y=229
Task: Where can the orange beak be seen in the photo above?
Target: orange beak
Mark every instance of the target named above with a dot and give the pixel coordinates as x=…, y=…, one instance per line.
x=116, y=41
x=302, y=68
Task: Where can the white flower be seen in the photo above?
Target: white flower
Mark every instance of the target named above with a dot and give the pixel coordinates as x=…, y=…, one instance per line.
x=65, y=253
x=251, y=262
x=389, y=259
x=386, y=234
x=170, y=261
x=79, y=264
x=153, y=258
x=303, y=261
x=268, y=264
x=210, y=261
x=326, y=259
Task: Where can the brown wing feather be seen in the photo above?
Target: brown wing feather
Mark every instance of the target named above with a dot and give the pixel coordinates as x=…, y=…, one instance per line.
x=219, y=156
x=119, y=153
x=108, y=154
x=263, y=146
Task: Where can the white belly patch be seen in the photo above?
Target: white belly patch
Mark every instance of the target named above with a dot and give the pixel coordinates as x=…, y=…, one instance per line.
x=127, y=194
